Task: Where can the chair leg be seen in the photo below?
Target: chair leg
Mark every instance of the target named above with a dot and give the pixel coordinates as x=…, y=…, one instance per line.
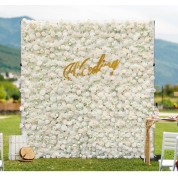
x=160, y=168
x=173, y=169
x=1, y=168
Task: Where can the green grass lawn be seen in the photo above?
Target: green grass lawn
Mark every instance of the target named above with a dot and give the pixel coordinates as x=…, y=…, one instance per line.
x=10, y=126
x=169, y=111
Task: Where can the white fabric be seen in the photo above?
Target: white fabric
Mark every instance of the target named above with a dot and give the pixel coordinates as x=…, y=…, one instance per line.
x=0, y=163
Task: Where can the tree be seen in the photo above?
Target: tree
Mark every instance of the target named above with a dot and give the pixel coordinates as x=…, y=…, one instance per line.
x=16, y=95
x=11, y=90
x=175, y=88
x=7, y=74
x=1, y=78
x=3, y=93
x=168, y=90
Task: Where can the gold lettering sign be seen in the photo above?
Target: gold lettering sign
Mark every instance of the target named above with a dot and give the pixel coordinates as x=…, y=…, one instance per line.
x=82, y=69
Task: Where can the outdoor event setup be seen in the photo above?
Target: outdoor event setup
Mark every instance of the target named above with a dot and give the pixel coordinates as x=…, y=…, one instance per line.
x=91, y=86
x=87, y=91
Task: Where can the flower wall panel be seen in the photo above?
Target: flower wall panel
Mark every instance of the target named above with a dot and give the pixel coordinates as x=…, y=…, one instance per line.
x=87, y=87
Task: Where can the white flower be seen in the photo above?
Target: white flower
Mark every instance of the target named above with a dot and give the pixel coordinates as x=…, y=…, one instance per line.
x=36, y=47
x=32, y=36
x=52, y=55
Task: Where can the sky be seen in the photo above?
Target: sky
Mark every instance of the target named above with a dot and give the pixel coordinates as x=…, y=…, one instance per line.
x=166, y=17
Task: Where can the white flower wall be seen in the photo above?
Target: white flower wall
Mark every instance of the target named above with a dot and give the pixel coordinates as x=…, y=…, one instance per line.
x=87, y=87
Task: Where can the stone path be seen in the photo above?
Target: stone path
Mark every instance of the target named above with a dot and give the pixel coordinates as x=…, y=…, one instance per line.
x=3, y=117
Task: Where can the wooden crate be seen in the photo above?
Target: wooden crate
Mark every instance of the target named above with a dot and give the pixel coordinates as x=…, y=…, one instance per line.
x=16, y=142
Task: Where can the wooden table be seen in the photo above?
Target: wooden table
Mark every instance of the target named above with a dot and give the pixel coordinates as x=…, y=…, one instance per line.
x=149, y=123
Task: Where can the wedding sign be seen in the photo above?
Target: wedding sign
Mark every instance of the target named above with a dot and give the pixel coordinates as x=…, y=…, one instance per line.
x=86, y=87
x=72, y=67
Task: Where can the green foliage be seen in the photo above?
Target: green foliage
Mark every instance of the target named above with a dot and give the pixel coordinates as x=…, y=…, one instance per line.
x=168, y=103
x=3, y=93
x=11, y=90
x=176, y=105
x=1, y=78
x=168, y=90
x=16, y=95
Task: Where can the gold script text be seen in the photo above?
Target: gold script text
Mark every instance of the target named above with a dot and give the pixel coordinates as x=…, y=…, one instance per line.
x=82, y=69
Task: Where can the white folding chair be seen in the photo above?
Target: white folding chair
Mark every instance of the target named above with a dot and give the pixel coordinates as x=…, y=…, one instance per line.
x=174, y=168
x=169, y=142
x=1, y=153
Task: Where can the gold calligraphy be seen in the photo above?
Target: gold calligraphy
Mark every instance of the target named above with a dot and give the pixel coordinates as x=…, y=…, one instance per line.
x=82, y=69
